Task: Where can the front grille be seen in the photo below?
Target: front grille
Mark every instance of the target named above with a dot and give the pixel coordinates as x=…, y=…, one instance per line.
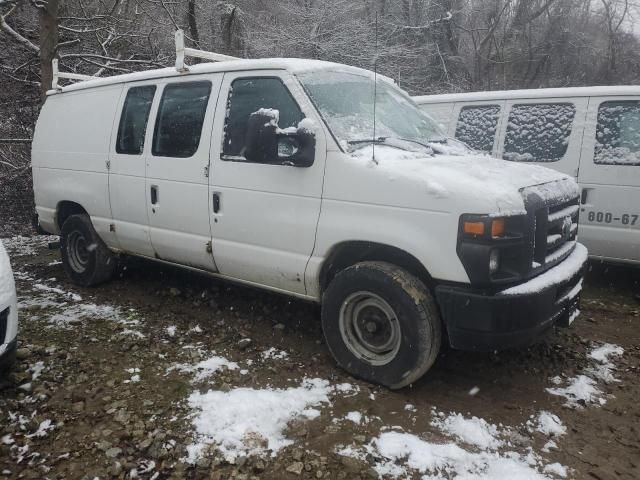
x=4, y=322
x=556, y=231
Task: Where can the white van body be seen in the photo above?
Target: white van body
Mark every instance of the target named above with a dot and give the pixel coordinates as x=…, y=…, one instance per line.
x=8, y=312
x=594, y=133
x=197, y=201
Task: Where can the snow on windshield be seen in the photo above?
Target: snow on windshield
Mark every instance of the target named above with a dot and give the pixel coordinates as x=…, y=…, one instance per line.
x=345, y=100
x=477, y=126
x=618, y=133
x=538, y=132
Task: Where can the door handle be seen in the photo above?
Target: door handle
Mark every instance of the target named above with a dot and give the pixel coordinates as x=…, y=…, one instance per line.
x=216, y=202
x=154, y=194
x=583, y=195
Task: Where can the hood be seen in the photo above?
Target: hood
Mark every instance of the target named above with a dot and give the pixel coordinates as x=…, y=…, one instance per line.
x=479, y=180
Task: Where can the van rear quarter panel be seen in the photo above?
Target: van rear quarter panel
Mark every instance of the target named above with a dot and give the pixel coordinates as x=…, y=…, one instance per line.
x=70, y=152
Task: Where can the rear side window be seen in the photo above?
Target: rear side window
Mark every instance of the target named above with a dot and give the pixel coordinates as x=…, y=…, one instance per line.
x=133, y=122
x=248, y=95
x=477, y=126
x=180, y=117
x=618, y=133
x=538, y=132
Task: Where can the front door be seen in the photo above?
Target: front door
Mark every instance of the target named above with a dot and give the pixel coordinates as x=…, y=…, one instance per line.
x=610, y=179
x=177, y=168
x=264, y=216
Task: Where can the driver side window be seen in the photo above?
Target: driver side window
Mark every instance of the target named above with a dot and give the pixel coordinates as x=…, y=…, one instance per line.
x=266, y=95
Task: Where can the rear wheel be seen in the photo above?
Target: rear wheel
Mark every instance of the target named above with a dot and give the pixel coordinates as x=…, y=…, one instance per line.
x=86, y=259
x=381, y=324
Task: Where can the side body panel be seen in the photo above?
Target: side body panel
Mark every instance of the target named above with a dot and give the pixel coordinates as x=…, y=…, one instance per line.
x=610, y=213
x=364, y=202
x=70, y=154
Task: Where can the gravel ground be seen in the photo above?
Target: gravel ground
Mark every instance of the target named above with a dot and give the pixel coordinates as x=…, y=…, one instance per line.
x=108, y=382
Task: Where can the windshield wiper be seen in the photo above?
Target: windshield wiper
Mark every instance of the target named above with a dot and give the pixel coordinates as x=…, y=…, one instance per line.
x=413, y=141
x=367, y=140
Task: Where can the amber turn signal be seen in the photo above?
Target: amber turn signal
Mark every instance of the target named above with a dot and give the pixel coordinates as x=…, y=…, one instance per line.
x=497, y=227
x=474, y=228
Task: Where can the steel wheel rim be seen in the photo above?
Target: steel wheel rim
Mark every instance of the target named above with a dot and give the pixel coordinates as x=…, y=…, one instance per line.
x=77, y=252
x=370, y=328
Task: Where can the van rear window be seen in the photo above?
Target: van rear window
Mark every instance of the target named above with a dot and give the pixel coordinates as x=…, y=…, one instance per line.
x=618, y=133
x=133, y=122
x=538, y=132
x=180, y=118
x=477, y=126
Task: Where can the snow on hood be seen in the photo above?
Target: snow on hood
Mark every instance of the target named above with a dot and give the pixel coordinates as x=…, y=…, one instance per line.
x=7, y=287
x=451, y=174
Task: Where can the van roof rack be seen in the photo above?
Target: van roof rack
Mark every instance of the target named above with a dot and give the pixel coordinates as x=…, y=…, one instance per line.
x=57, y=75
x=181, y=53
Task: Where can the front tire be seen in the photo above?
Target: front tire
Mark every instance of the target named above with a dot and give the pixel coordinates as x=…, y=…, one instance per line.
x=86, y=259
x=381, y=324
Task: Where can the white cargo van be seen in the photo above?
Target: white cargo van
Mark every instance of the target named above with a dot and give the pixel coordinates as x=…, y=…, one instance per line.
x=268, y=173
x=592, y=134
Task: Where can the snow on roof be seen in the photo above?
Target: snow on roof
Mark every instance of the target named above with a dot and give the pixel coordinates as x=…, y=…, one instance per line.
x=293, y=65
x=535, y=93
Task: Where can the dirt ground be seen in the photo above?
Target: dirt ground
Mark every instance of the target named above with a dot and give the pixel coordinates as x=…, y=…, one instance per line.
x=76, y=407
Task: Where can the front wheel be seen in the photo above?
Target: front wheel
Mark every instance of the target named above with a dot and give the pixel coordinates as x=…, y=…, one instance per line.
x=86, y=259
x=381, y=324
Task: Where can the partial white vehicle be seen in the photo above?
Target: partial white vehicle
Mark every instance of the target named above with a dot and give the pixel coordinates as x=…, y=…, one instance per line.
x=268, y=173
x=8, y=313
x=591, y=134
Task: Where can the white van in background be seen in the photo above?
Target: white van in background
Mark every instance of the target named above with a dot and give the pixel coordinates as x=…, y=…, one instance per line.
x=590, y=133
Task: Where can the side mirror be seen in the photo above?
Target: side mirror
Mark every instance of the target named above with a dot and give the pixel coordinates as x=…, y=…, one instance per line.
x=266, y=143
x=297, y=148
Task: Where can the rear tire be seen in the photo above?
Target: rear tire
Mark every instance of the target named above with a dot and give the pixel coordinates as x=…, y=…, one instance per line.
x=86, y=259
x=381, y=324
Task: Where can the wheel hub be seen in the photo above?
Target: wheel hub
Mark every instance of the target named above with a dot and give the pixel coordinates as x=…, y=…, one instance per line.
x=77, y=251
x=370, y=328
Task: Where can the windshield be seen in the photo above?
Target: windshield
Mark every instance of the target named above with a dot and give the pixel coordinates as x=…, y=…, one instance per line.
x=345, y=100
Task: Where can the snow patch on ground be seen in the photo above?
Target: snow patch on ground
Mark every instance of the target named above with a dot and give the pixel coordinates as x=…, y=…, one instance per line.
x=401, y=454
x=474, y=431
x=583, y=389
x=355, y=417
x=248, y=421
x=68, y=309
x=205, y=368
x=549, y=424
x=580, y=391
x=274, y=354
x=27, y=246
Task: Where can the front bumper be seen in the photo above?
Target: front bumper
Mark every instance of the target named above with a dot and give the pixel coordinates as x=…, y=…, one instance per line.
x=8, y=355
x=515, y=317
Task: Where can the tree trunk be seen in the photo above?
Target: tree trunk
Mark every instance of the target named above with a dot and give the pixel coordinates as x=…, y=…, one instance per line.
x=48, y=43
x=193, y=25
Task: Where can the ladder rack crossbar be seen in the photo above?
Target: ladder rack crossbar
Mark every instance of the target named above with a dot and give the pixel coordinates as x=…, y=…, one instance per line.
x=182, y=52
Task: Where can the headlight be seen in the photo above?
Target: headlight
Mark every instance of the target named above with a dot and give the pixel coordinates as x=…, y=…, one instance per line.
x=479, y=226
x=494, y=250
x=494, y=261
